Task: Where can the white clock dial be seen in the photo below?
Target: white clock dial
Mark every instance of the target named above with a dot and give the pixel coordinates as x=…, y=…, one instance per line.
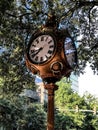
x=70, y=51
x=41, y=49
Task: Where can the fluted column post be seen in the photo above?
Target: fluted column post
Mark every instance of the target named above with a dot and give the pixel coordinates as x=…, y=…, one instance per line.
x=50, y=115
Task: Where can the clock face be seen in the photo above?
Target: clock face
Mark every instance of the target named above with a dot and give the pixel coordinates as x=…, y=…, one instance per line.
x=70, y=52
x=41, y=49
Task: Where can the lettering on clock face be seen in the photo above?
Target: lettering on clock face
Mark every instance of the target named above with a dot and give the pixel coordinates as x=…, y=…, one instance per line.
x=42, y=49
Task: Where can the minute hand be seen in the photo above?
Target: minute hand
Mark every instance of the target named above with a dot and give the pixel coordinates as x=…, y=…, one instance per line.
x=37, y=51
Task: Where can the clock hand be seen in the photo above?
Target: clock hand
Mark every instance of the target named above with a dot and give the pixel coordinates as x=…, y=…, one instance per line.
x=37, y=51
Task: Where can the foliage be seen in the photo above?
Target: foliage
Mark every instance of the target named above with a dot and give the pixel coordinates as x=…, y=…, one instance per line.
x=22, y=114
x=18, y=20
x=22, y=18
x=66, y=96
x=14, y=76
x=72, y=109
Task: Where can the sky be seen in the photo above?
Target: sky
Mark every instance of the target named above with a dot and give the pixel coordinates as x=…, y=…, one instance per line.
x=88, y=82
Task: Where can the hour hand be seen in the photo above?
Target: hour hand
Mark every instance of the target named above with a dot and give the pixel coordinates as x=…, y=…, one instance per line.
x=35, y=52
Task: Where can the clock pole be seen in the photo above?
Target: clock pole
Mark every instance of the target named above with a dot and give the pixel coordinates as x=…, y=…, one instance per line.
x=51, y=54
x=51, y=87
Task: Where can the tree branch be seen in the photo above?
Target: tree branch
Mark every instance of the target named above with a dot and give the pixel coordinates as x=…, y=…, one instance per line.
x=78, y=5
x=67, y=13
x=87, y=3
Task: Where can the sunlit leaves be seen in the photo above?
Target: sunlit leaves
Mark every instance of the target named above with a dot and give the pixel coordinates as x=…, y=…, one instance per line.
x=73, y=108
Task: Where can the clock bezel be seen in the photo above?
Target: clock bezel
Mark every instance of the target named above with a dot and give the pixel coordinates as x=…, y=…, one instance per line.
x=33, y=37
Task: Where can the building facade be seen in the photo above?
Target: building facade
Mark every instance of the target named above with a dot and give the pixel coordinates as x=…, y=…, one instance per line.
x=43, y=94
x=74, y=82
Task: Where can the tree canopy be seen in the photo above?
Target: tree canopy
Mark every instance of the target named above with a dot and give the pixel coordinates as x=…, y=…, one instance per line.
x=75, y=111
x=20, y=113
x=20, y=18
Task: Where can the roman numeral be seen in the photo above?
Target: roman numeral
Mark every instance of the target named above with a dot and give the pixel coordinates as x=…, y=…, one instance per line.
x=46, y=38
x=32, y=51
x=36, y=58
x=51, y=46
x=50, y=51
x=33, y=45
x=49, y=41
x=42, y=38
x=41, y=58
x=37, y=41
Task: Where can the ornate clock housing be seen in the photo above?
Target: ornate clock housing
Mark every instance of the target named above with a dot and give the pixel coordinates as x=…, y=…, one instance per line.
x=41, y=48
x=51, y=54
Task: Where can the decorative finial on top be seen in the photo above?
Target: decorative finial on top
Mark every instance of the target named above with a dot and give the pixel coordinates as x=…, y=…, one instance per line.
x=51, y=20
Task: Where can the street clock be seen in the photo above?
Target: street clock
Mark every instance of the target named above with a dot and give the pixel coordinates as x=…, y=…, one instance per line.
x=42, y=48
x=51, y=53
